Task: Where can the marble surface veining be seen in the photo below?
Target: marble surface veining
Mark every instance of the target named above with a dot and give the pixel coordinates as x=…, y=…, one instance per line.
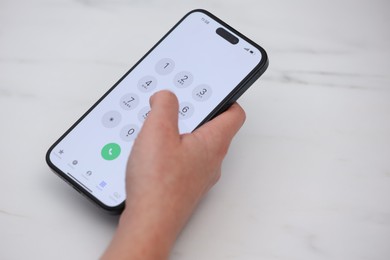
x=307, y=177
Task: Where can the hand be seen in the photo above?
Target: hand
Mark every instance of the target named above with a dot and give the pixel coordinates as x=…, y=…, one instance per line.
x=167, y=175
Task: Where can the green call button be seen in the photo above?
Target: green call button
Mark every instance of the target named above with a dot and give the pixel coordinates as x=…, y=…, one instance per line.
x=111, y=151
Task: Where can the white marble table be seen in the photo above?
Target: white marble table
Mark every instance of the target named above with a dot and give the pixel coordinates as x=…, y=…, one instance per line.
x=308, y=177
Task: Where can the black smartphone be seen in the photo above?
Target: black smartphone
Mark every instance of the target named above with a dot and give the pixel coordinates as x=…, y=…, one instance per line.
x=204, y=61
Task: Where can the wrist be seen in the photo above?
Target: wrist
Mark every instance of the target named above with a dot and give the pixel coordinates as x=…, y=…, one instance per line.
x=149, y=229
x=140, y=237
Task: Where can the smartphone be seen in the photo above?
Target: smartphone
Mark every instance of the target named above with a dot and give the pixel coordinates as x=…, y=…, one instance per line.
x=204, y=61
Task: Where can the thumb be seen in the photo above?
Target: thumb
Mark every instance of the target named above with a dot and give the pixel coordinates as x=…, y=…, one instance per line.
x=162, y=120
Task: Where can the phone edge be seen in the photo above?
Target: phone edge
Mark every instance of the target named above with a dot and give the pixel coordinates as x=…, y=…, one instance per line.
x=222, y=106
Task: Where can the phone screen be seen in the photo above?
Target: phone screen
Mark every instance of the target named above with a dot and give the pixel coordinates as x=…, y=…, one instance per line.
x=196, y=60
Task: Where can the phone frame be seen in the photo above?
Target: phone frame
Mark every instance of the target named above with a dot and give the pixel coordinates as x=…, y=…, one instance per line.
x=221, y=107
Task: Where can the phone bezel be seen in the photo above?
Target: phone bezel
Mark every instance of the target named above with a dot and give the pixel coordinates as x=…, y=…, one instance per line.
x=222, y=106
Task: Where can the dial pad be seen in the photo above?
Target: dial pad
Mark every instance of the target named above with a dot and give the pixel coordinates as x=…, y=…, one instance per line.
x=181, y=81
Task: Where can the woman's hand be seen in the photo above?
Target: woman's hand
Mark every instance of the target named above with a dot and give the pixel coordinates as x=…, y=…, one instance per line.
x=167, y=175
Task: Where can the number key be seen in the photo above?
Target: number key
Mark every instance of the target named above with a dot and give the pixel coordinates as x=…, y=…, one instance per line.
x=186, y=110
x=165, y=66
x=129, y=101
x=147, y=83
